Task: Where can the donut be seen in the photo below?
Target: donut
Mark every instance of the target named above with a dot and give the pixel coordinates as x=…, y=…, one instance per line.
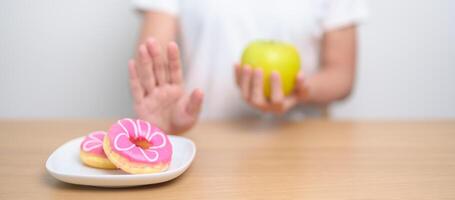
x=138, y=147
x=92, y=153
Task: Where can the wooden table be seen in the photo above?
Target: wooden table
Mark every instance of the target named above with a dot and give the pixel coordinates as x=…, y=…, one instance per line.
x=314, y=159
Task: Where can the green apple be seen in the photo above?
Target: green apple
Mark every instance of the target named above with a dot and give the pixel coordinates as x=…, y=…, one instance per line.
x=270, y=56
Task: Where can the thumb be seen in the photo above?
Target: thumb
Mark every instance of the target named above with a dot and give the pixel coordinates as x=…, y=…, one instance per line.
x=194, y=104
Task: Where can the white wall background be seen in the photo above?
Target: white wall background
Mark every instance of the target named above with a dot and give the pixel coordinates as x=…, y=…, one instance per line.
x=62, y=58
x=406, y=69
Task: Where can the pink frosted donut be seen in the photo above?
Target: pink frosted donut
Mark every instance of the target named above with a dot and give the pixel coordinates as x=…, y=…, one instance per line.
x=92, y=153
x=137, y=147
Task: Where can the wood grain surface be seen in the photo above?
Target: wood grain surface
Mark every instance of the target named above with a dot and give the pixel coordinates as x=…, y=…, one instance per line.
x=314, y=159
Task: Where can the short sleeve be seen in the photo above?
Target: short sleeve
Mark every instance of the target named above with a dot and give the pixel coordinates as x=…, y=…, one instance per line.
x=342, y=13
x=168, y=6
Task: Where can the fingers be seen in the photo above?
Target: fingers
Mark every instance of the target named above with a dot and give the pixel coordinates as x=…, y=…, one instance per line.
x=175, y=66
x=158, y=63
x=195, y=102
x=135, y=85
x=245, y=80
x=257, y=89
x=277, y=93
x=144, y=69
x=251, y=83
x=237, y=73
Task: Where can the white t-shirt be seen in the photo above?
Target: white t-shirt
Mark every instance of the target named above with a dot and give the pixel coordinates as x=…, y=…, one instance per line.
x=213, y=34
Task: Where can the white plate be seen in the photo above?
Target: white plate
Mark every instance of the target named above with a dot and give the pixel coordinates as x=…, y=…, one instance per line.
x=65, y=165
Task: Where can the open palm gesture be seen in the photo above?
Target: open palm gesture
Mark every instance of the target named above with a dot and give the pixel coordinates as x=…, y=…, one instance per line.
x=157, y=87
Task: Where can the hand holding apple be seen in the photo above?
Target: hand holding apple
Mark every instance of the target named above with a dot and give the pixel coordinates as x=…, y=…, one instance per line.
x=277, y=87
x=270, y=56
x=251, y=83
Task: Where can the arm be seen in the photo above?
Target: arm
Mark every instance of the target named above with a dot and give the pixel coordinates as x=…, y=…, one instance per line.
x=336, y=78
x=159, y=25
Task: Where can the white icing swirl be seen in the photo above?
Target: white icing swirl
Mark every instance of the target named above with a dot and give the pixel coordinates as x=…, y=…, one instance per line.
x=139, y=134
